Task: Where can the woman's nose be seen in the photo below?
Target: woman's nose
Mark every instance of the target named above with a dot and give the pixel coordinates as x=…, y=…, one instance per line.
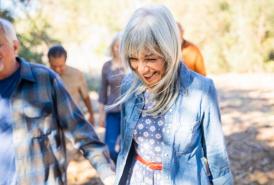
x=142, y=67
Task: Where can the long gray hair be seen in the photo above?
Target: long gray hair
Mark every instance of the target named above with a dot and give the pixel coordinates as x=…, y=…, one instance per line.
x=116, y=38
x=153, y=28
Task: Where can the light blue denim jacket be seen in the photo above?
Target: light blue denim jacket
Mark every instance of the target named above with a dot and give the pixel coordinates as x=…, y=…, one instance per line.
x=188, y=159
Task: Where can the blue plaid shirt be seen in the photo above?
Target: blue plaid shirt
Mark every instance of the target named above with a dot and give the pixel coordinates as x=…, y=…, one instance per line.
x=44, y=114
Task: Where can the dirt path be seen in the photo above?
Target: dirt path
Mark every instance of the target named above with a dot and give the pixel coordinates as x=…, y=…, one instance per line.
x=247, y=106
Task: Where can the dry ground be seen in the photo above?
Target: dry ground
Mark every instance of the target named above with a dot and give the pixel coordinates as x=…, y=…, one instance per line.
x=247, y=106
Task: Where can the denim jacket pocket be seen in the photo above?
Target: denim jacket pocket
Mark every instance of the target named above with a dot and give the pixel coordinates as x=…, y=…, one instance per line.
x=38, y=119
x=185, y=138
x=188, y=155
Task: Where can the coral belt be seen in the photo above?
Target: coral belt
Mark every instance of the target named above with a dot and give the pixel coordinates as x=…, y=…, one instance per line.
x=151, y=165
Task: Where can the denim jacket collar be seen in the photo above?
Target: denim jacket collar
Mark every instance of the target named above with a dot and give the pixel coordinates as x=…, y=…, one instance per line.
x=185, y=78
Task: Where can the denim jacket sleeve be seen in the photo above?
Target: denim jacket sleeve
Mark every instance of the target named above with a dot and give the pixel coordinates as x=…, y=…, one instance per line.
x=79, y=131
x=215, y=149
x=125, y=85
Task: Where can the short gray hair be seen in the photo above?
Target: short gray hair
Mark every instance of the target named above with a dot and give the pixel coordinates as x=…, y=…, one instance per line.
x=155, y=29
x=8, y=30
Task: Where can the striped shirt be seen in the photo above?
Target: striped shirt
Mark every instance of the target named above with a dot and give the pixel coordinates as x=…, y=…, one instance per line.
x=44, y=114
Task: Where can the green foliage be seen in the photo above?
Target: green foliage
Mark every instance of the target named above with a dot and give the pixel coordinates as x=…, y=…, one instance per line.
x=36, y=41
x=6, y=15
x=27, y=52
x=34, y=37
x=224, y=6
x=234, y=36
x=270, y=56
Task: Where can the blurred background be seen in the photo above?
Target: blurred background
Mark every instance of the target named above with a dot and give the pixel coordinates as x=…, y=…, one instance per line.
x=236, y=39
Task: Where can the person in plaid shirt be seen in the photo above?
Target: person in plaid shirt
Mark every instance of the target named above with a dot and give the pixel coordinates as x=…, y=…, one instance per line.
x=36, y=114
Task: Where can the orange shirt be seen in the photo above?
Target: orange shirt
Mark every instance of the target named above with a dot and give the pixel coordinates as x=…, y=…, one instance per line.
x=193, y=58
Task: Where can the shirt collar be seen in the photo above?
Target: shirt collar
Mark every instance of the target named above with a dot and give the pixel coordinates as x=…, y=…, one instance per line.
x=25, y=70
x=185, y=77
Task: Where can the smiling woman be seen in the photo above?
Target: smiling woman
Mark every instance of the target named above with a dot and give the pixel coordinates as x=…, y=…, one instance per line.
x=170, y=131
x=149, y=66
x=149, y=40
